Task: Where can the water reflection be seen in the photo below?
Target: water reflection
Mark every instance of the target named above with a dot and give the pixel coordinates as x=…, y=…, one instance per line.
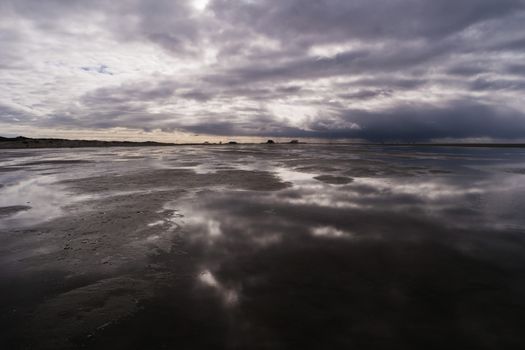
x=42, y=200
x=375, y=263
x=364, y=247
x=228, y=295
x=330, y=231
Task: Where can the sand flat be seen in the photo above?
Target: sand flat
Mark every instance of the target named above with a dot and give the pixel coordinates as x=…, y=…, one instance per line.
x=164, y=247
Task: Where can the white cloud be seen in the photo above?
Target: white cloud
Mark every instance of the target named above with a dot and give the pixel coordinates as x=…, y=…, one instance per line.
x=237, y=68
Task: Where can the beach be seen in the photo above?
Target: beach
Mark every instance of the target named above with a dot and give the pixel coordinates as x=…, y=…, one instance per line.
x=262, y=246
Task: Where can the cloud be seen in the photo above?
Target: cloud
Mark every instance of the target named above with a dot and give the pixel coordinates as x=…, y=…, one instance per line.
x=423, y=122
x=13, y=115
x=308, y=22
x=377, y=70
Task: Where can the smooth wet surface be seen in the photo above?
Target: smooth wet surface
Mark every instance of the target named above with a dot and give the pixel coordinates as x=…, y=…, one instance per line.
x=262, y=247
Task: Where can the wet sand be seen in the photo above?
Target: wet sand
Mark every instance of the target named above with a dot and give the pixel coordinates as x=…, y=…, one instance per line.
x=262, y=247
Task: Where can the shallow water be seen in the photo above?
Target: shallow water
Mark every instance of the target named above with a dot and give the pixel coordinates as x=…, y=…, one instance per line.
x=268, y=246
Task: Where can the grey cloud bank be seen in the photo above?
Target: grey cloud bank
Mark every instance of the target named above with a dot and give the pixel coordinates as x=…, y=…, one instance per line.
x=380, y=70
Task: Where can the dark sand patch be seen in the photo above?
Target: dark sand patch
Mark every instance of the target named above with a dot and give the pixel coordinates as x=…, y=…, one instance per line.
x=16, y=154
x=56, y=162
x=439, y=171
x=133, y=157
x=180, y=178
x=104, y=238
x=85, y=311
x=386, y=170
x=520, y=171
x=314, y=168
x=188, y=164
x=9, y=169
x=99, y=235
x=13, y=209
x=334, y=180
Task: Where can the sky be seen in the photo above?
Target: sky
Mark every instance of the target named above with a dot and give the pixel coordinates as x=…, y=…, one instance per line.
x=194, y=70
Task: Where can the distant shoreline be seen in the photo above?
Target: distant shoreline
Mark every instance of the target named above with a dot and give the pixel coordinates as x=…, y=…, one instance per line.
x=21, y=142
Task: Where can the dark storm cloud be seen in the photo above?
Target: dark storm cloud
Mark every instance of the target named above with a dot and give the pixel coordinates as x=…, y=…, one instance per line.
x=365, y=94
x=145, y=91
x=388, y=59
x=335, y=20
x=169, y=24
x=466, y=70
x=408, y=82
x=420, y=122
x=163, y=91
x=516, y=69
x=326, y=68
x=13, y=115
x=508, y=45
x=481, y=84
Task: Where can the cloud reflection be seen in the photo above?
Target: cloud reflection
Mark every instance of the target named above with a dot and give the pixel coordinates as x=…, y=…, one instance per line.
x=44, y=199
x=374, y=256
x=229, y=296
x=425, y=245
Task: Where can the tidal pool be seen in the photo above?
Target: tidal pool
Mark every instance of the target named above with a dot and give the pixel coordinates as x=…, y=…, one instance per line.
x=262, y=247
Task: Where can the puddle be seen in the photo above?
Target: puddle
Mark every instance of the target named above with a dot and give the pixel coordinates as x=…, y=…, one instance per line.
x=41, y=197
